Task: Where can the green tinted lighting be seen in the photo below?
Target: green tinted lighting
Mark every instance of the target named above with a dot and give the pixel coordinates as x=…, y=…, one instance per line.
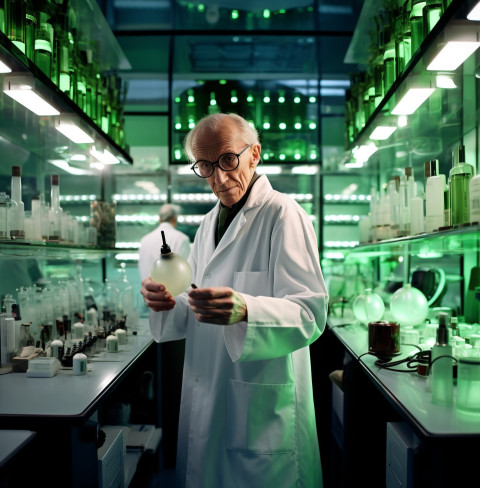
x=298, y=125
x=312, y=99
x=191, y=99
x=282, y=156
x=234, y=99
x=313, y=155
x=282, y=11
x=213, y=102
x=281, y=99
x=178, y=154
x=177, y=99
x=201, y=7
x=296, y=99
x=282, y=125
x=266, y=125
x=223, y=82
x=249, y=98
x=235, y=14
x=266, y=14
x=297, y=156
x=266, y=99
x=312, y=125
x=266, y=156
x=178, y=125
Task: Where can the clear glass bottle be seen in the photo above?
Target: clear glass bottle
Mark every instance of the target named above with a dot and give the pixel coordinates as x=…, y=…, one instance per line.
x=17, y=209
x=55, y=212
x=460, y=176
x=442, y=367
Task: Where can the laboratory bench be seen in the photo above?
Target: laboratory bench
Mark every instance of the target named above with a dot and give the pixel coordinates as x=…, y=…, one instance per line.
x=385, y=430
x=79, y=431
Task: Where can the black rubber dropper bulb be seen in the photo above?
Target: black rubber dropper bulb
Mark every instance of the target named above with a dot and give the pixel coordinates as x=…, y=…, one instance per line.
x=165, y=249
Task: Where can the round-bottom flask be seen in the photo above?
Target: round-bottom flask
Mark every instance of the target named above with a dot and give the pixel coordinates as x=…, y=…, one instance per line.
x=171, y=270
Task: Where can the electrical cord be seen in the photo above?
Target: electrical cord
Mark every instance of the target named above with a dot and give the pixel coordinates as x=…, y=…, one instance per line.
x=411, y=362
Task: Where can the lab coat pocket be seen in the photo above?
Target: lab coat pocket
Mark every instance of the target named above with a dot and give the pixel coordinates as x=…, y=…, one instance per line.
x=260, y=418
x=253, y=283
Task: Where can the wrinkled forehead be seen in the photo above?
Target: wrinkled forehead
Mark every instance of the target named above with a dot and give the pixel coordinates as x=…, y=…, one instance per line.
x=210, y=143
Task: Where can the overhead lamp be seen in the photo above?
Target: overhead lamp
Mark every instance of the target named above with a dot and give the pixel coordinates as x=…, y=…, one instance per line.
x=445, y=81
x=22, y=89
x=104, y=157
x=412, y=99
x=69, y=128
x=474, y=14
x=452, y=55
x=4, y=68
x=361, y=154
x=382, y=132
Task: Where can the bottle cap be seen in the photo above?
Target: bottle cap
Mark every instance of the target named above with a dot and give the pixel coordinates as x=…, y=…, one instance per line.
x=54, y=179
x=16, y=171
x=431, y=168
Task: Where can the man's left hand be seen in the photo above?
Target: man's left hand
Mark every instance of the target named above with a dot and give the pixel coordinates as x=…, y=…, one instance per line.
x=222, y=305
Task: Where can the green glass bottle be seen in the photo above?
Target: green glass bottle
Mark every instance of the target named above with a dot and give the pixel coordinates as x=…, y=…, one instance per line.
x=2, y=16
x=459, y=182
x=15, y=18
x=389, y=60
x=416, y=24
x=30, y=30
x=406, y=34
x=43, y=48
x=431, y=14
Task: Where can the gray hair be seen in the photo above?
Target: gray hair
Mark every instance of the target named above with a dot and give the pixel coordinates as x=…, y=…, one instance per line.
x=168, y=211
x=212, y=122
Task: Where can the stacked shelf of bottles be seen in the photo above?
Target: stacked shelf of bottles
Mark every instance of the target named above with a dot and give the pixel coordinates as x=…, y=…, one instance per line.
x=396, y=39
x=286, y=118
x=47, y=34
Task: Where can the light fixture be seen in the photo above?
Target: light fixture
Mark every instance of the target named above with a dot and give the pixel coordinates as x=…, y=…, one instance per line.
x=4, y=68
x=445, y=81
x=412, y=100
x=22, y=89
x=103, y=157
x=71, y=129
x=269, y=170
x=382, y=132
x=361, y=154
x=452, y=55
x=474, y=14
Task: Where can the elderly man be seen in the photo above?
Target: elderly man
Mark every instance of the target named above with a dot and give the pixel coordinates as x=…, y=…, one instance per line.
x=247, y=416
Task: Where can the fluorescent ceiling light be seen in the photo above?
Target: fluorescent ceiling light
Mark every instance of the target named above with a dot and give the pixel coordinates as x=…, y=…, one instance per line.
x=269, y=170
x=305, y=170
x=382, y=132
x=445, y=81
x=362, y=154
x=21, y=89
x=105, y=156
x=412, y=100
x=452, y=55
x=474, y=14
x=69, y=129
x=4, y=68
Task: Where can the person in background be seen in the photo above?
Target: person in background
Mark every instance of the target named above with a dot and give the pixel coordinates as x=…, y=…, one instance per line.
x=247, y=416
x=151, y=243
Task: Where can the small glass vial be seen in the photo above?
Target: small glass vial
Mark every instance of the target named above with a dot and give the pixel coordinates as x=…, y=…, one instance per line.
x=112, y=343
x=79, y=364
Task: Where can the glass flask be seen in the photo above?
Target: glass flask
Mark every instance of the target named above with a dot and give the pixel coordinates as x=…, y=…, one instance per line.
x=368, y=307
x=171, y=270
x=409, y=306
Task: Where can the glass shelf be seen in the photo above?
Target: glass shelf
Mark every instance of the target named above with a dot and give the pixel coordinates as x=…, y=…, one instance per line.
x=437, y=244
x=22, y=128
x=44, y=250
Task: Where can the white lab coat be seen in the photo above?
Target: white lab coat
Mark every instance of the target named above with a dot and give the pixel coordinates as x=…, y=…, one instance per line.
x=247, y=416
x=151, y=244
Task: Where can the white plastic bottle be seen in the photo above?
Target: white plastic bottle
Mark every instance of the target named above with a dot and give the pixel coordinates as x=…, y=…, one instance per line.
x=17, y=209
x=171, y=270
x=55, y=212
x=475, y=199
x=434, y=197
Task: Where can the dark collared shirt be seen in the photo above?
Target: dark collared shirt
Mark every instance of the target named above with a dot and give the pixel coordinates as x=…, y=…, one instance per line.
x=231, y=212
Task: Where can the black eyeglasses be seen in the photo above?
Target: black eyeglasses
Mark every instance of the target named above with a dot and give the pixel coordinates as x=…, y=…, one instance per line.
x=226, y=162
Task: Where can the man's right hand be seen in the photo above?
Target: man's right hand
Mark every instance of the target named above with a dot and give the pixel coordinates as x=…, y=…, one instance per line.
x=156, y=296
